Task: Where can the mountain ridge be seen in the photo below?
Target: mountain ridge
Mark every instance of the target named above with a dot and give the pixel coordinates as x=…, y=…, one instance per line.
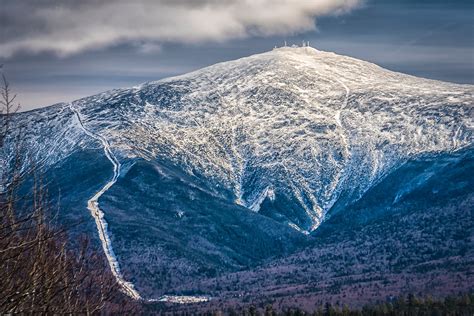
x=284, y=136
x=334, y=98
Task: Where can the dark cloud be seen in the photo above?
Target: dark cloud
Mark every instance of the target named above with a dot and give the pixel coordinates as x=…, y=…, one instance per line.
x=67, y=26
x=426, y=38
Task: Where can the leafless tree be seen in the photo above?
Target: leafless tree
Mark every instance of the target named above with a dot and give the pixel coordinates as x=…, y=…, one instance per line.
x=39, y=270
x=7, y=107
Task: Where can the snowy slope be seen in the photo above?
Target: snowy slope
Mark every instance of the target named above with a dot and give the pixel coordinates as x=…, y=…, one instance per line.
x=295, y=125
x=289, y=134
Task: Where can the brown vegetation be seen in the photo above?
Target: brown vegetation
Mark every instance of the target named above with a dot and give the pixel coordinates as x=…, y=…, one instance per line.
x=409, y=305
x=40, y=271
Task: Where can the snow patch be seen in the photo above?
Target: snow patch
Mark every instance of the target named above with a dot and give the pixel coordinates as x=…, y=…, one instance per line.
x=181, y=299
x=296, y=227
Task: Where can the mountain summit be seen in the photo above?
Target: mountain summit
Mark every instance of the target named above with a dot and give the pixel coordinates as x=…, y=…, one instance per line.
x=242, y=154
x=296, y=125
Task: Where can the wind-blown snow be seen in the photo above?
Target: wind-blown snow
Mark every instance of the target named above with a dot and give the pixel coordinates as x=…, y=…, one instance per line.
x=310, y=123
x=294, y=125
x=306, y=123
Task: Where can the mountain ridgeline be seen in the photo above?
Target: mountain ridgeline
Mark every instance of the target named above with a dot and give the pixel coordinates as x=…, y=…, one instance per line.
x=266, y=165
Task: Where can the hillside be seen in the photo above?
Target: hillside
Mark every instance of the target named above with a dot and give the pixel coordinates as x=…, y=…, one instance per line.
x=291, y=166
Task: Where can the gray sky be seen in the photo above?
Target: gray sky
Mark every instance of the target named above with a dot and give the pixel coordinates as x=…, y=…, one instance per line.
x=61, y=50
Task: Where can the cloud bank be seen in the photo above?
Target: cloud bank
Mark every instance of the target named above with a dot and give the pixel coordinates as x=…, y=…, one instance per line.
x=69, y=26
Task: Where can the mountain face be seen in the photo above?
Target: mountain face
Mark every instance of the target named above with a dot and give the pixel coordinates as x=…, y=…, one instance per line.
x=410, y=233
x=246, y=162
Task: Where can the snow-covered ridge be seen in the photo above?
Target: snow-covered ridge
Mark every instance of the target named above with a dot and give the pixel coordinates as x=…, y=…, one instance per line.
x=309, y=123
x=295, y=127
x=293, y=124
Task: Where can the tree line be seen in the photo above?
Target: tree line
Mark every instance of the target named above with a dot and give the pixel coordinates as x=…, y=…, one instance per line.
x=410, y=305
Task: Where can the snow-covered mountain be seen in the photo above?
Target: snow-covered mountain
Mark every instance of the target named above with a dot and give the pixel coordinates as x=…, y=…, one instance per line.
x=288, y=135
x=294, y=123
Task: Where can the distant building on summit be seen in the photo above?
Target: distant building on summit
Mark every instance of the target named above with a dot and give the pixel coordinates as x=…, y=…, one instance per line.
x=285, y=44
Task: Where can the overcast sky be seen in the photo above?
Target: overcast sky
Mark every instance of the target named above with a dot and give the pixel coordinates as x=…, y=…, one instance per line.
x=61, y=50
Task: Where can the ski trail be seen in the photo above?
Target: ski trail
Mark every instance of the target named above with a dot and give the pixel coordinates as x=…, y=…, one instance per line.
x=93, y=206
